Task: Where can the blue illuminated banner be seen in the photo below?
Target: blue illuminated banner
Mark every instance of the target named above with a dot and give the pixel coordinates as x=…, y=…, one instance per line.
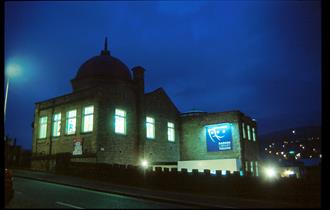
x=218, y=137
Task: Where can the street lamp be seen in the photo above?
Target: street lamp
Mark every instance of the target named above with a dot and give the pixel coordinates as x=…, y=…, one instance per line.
x=144, y=164
x=13, y=70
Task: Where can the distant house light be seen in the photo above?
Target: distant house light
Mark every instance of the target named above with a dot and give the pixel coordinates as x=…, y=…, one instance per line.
x=288, y=172
x=293, y=131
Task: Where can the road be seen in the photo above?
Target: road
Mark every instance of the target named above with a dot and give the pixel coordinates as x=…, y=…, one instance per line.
x=39, y=194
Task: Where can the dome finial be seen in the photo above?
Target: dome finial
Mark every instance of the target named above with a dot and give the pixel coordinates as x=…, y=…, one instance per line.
x=106, y=44
x=105, y=51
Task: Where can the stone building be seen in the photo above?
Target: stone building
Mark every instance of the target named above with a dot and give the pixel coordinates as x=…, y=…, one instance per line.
x=109, y=118
x=204, y=143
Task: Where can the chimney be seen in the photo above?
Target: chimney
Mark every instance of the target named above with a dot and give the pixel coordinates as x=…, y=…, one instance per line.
x=138, y=77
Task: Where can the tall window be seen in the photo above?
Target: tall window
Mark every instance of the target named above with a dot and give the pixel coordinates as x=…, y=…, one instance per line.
x=43, y=127
x=120, y=121
x=87, y=122
x=249, y=132
x=170, y=131
x=150, y=123
x=246, y=166
x=257, y=170
x=56, y=125
x=243, y=128
x=71, y=121
x=252, y=168
x=253, y=134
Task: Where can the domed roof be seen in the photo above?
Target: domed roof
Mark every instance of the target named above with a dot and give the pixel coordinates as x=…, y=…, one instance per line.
x=103, y=66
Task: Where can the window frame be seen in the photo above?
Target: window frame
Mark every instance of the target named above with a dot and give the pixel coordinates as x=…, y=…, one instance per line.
x=249, y=132
x=43, y=123
x=84, y=115
x=169, y=129
x=243, y=130
x=254, y=134
x=247, y=166
x=59, y=124
x=252, y=168
x=120, y=117
x=153, y=125
x=67, y=118
x=257, y=169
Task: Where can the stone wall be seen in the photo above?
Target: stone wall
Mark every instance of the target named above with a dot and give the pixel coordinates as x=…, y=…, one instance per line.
x=193, y=136
x=114, y=147
x=64, y=142
x=160, y=107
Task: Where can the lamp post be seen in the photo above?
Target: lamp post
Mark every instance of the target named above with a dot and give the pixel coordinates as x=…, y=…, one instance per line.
x=6, y=96
x=12, y=70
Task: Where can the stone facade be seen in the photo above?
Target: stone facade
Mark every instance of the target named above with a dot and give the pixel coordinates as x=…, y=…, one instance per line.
x=193, y=137
x=108, y=87
x=159, y=106
x=105, y=83
x=63, y=143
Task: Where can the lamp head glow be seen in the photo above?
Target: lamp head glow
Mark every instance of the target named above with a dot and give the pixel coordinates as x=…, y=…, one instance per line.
x=270, y=172
x=13, y=70
x=144, y=163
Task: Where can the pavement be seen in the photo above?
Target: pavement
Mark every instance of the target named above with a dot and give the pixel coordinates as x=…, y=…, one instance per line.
x=199, y=201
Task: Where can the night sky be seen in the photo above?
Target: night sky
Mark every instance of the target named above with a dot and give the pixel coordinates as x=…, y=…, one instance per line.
x=260, y=57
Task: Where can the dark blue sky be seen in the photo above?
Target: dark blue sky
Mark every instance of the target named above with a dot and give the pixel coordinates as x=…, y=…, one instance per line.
x=260, y=57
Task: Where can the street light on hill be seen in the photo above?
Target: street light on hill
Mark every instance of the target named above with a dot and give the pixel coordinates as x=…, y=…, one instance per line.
x=12, y=71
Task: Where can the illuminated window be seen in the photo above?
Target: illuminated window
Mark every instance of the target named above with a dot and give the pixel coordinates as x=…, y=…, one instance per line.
x=170, y=131
x=43, y=127
x=251, y=167
x=243, y=127
x=87, y=122
x=253, y=134
x=257, y=169
x=150, y=123
x=56, y=125
x=120, y=121
x=249, y=133
x=246, y=166
x=71, y=122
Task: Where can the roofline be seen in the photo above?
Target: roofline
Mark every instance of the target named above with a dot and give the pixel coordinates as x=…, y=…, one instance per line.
x=69, y=94
x=162, y=90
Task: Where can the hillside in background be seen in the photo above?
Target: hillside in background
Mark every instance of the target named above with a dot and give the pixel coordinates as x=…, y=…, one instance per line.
x=294, y=145
x=301, y=133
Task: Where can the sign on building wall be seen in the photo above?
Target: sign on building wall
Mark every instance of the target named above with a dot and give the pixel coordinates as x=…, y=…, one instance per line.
x=77, y=146
x=218, y=137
